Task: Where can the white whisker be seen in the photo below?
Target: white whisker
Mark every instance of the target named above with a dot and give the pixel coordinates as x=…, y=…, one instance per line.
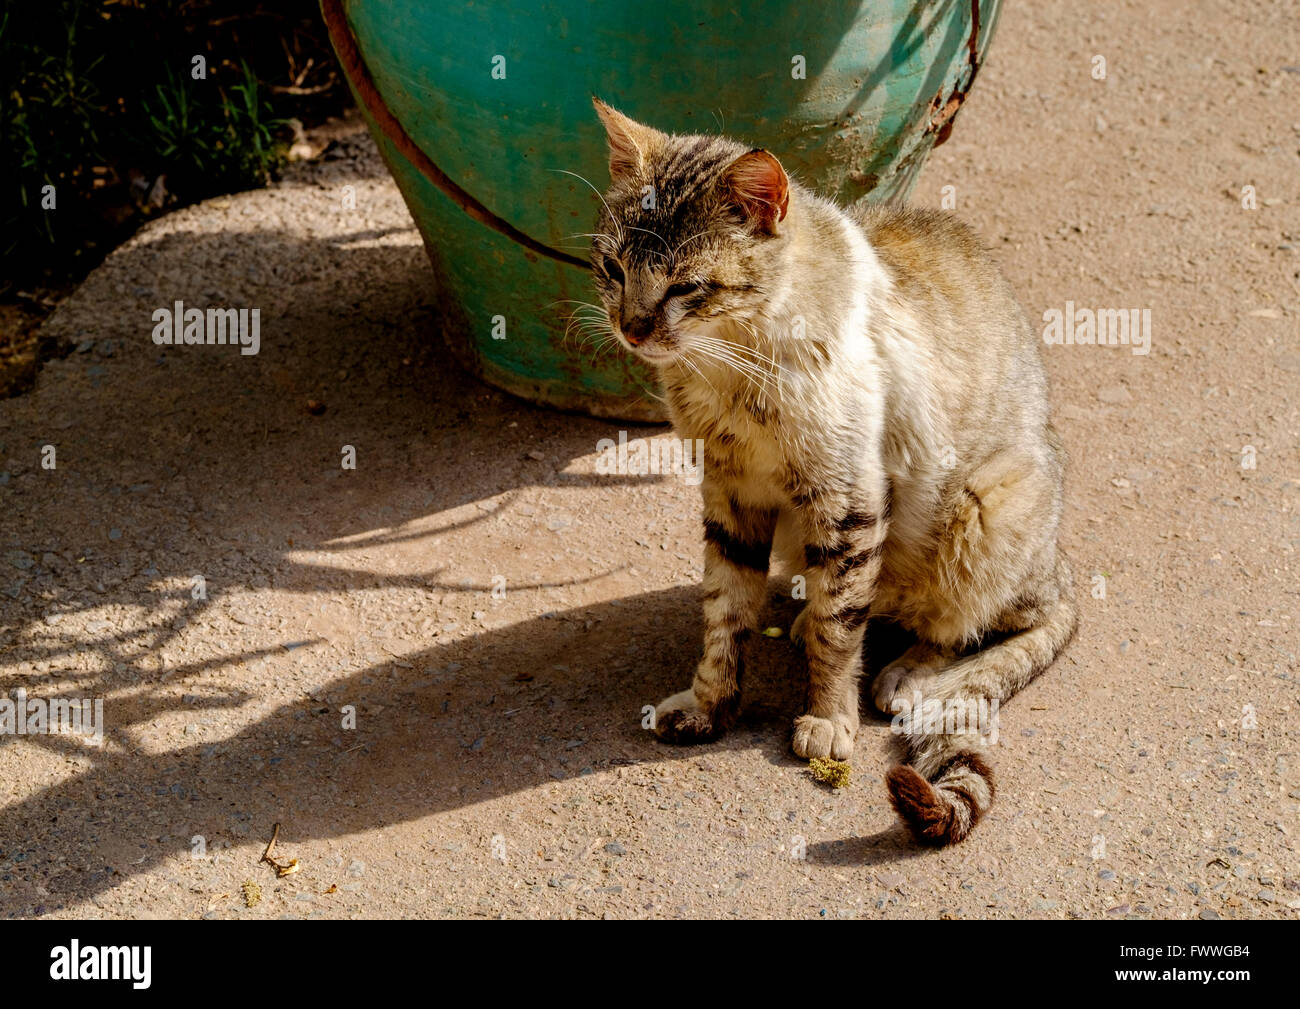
x=598, y=196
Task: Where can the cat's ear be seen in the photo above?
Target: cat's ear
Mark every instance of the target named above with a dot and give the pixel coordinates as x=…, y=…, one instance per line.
x=629, y=141
x=757, y=184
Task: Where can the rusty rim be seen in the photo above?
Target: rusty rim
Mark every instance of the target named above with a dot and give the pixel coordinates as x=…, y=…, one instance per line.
x=345, y=45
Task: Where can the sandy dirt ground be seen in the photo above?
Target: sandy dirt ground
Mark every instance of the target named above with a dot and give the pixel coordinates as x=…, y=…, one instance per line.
x=497, y=766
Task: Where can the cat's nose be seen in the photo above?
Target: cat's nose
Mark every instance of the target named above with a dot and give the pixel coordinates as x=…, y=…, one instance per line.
x=636, y=331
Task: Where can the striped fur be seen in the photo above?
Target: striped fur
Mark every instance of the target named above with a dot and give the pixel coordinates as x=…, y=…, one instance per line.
x=871, y=402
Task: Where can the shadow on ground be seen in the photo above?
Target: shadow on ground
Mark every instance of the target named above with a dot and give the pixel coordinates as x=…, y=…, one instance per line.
x=174, y=461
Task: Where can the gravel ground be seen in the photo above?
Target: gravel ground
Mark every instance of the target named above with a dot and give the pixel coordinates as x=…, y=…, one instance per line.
x=497, y=765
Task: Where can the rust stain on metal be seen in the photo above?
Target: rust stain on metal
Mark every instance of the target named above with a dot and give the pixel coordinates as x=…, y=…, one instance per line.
x=942, y=113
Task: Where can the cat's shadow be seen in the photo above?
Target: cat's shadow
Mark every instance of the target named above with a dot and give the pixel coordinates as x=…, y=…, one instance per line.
x=463, y=725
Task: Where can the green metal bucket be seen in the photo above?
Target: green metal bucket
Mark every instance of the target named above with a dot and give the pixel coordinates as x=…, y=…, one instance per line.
x=480, y=108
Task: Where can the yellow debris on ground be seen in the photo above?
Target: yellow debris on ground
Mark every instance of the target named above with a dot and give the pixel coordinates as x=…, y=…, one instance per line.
x=831, y=772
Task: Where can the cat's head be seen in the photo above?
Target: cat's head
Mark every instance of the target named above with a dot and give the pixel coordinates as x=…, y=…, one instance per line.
x=689, y=243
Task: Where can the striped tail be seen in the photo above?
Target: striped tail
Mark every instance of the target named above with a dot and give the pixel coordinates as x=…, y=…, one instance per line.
x=942, y=812
x=947, y=787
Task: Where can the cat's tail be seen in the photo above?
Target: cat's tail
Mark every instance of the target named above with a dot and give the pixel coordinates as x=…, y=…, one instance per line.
x=943, y=810
x=947, y=785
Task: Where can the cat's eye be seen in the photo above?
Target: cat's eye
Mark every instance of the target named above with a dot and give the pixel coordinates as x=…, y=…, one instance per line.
x=681, y=290
x=612, y=270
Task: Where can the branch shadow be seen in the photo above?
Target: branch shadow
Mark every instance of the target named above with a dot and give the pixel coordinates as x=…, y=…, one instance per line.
x=457, y=728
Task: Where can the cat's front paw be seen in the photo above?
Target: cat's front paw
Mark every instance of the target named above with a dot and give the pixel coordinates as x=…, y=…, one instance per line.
x=680, y=719
x=823, y=737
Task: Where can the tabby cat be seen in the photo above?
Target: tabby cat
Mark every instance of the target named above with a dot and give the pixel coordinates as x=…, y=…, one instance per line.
x=870, y=397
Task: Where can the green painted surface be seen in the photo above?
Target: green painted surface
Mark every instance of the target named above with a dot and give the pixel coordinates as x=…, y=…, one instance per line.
x=854, y=128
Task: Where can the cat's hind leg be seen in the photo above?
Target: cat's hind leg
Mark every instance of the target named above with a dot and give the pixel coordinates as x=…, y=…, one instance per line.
x=909, y=673
x=1001, y=584
x=947, y=785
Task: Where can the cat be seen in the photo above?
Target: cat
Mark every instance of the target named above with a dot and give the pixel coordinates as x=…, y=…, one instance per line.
x=871, y=398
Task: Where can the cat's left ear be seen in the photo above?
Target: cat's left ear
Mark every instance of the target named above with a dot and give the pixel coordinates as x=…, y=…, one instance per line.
x=757, y=184
x=630, y=142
